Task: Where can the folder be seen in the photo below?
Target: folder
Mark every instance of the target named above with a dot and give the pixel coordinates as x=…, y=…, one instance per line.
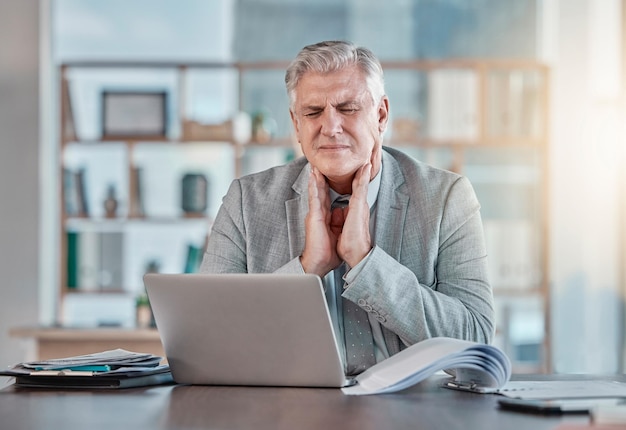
x=108, y=369
x=62, y=380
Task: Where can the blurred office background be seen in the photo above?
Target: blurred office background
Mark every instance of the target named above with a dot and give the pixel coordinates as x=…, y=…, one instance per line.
x=554, y=206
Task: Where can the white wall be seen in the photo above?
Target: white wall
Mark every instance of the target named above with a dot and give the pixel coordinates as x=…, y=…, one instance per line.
x=582, y=43
x=19, y=172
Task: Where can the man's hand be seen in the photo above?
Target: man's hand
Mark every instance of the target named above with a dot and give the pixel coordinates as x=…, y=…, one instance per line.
x=354, y=240
x=341, y=234
x=321, y=232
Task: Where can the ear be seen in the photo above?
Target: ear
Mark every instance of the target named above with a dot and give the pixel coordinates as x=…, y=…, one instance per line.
x=383, y=114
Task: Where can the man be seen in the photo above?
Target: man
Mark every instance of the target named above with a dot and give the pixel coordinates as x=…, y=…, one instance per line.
x=404, y=261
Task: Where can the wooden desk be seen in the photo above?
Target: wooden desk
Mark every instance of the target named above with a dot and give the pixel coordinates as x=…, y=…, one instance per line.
x=57, y=342
x=424, y=406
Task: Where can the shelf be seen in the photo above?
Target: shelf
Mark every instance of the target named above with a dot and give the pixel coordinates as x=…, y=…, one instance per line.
x=55, y=342
x=121, y=224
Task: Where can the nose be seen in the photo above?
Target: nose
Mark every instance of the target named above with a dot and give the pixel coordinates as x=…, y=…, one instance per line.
x=331, y=122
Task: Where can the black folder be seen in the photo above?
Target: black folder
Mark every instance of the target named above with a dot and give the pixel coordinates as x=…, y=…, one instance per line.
x=157, y=376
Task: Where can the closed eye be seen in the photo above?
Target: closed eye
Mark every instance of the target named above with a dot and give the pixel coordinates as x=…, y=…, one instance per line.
x=348, y=108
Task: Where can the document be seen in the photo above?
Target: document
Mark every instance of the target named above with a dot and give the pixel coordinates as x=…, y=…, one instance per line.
x=550, y=390
x=474, y=367
x=113, y=359
x=108, y=369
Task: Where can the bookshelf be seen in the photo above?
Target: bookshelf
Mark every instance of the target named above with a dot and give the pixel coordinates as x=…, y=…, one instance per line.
x=486, y=119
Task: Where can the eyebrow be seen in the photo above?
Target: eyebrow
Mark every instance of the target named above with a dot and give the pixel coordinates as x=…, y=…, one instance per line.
x=348, y=103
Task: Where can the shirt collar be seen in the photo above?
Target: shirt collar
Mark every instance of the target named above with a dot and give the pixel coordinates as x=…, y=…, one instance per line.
x=372, y=190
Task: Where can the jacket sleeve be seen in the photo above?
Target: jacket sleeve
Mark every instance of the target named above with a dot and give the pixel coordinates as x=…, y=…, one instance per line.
x=458, y=304
x=228, y=245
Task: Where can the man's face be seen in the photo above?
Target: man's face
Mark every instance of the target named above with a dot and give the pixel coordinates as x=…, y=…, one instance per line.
x=338, y=125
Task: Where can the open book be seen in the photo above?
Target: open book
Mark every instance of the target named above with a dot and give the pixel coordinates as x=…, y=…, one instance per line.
x=474, y=366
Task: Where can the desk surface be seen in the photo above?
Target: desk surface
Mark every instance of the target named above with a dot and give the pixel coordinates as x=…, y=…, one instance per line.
x=424, y=406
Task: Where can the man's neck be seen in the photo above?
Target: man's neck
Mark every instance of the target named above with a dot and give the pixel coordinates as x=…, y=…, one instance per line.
x=341, y=188
x=372, y=190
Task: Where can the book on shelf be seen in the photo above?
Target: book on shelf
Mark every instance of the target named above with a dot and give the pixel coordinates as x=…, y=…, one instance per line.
x=72, y=259
x=68, y=114
x=88, y=260
x=515, y=105
x=95, y=260
x=75, y=192
x=81, y=187
x=513, y=259
x=453, y=105
x=473, y=367
x=194, y=258
x=70, y=194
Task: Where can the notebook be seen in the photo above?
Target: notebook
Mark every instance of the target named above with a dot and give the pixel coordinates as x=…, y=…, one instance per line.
x=246, y=329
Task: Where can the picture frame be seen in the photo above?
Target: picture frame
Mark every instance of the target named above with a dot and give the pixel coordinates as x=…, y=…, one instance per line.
x=134, y=114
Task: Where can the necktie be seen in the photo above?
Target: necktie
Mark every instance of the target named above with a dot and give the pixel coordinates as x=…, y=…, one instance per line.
x=357, y=331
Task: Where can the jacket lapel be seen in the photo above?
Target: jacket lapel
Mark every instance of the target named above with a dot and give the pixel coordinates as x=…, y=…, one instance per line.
x=391, y=215
x=392, y=206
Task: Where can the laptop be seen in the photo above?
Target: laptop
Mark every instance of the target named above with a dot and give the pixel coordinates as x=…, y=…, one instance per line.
x=246, y=329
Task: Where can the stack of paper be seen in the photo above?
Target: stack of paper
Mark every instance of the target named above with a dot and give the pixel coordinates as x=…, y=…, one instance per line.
x=109, y=369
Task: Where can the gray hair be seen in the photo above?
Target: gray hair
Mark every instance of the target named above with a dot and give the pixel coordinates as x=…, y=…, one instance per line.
x=332, y=56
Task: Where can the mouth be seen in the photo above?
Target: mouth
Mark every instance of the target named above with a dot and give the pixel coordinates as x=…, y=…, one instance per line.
x=333, y=148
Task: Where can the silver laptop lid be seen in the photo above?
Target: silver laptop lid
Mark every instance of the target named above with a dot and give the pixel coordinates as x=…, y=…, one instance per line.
x=246, y=329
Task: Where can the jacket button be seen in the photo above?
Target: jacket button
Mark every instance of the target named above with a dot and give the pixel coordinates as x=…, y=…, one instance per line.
x=381, y=318
x=361, y=302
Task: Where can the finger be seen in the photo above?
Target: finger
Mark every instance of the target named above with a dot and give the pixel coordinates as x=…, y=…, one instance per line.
x=361, y=182
x=320, y=191
x=355, y=242
x=314, y=193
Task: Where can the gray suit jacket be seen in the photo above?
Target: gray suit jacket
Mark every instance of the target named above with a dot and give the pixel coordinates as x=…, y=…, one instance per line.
x=427, y=274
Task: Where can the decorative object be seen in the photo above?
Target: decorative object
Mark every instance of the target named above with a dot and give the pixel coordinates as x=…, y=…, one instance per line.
x=263, y=127
x=144, y=315
x=237, y=129
x=242, y=128
x=136, y=114
x=153, y=266
x=194, y=130
x=136, y=209
x=194, y=193
x=144, y=311
x=110, y=202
